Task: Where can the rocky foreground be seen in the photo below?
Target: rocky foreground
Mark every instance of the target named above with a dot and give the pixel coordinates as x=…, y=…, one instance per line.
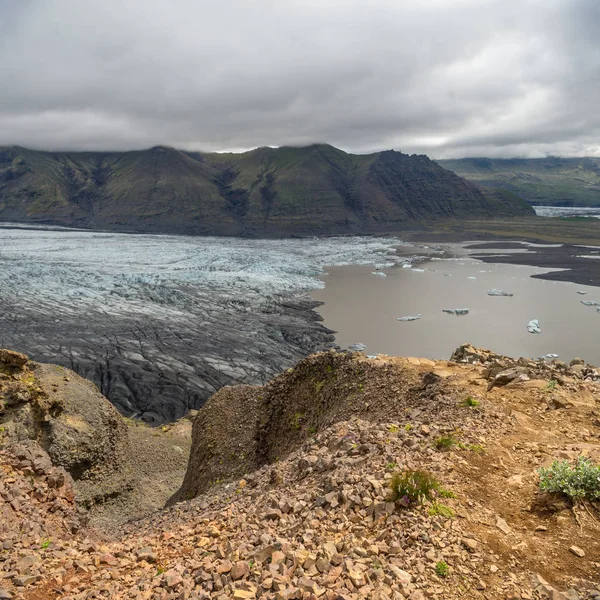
x=287, y=490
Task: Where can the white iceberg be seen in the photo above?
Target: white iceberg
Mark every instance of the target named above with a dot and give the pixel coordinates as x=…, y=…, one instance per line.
x=409, y=318
x=456, y=311
x=534, y=326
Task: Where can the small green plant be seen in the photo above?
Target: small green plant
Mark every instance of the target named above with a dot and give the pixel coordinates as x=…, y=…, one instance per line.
x=312, y=430
x=391, y=465
x=408, y=427
x=551, y=385
x=251, y=563
x=444, y=493
x=578, y=482
x=45, y=544
x=470, y=401
x=438, y=509
x=445, y=442
x=319, y=386
x=412, y=487
x=160, y=570
x=442, y=568
x=393, y=428
x=297, y=420
x=477, y=448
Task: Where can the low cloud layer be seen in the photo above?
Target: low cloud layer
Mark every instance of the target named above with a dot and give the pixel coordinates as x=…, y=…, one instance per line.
x=448, y=78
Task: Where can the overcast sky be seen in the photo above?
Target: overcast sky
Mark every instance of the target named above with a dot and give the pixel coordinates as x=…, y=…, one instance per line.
x=447, y=78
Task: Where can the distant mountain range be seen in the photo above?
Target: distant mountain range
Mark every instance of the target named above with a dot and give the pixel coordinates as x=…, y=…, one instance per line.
x=539, y=181
x=317, y=189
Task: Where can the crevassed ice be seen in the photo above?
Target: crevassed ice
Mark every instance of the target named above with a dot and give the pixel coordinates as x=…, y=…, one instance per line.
x=122, y=272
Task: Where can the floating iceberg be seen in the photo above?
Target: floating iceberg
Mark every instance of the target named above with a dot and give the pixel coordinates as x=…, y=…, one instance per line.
x=456, y=311
x=471, y=277
x=379, y=273
x=409, y=318
x=495, y=292
x=357, y=347
x=534, y=326
x=590, y=302
x=581, y=292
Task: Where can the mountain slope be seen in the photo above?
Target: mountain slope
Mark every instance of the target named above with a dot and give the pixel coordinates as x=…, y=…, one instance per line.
x=543, y=181
x=291, y=496
x=267, y=191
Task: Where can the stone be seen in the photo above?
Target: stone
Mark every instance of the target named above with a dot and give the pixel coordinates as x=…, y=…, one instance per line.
x=577, y=551
x=146, y=554
x=224, y=567
x=25, y=580
x=173, y=578
x=470, y=544
x=240, y=570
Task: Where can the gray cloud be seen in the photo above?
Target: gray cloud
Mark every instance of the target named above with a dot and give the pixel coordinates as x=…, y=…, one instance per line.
x=443, y=77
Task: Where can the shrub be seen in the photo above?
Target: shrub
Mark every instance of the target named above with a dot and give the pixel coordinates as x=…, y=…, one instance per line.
x=469, y=401
x=411, y=487
x=445, y=442
x=442, y=569
x=440, y=510
x=578, y=482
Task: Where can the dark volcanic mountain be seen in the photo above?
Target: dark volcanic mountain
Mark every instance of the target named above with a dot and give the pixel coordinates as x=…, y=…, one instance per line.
x=540, y=181
x=267, y=191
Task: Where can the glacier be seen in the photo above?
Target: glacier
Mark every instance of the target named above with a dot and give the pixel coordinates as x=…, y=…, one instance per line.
x=161, y=322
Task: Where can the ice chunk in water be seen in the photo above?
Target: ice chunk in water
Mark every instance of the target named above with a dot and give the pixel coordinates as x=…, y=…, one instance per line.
x=534, y=326
x=456, y=311
x=590, y=302
x=409, y=318
x=495, y=292
x=358, y=347
x=378, y=273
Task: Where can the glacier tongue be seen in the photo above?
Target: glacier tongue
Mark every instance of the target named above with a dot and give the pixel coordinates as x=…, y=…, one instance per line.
x=161, y=322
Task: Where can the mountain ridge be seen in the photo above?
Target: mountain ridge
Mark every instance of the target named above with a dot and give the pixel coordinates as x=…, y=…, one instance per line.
x=540, y=181
x=310, y=190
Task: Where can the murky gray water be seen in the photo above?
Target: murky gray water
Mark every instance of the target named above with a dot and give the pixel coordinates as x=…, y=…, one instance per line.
x=363, y=307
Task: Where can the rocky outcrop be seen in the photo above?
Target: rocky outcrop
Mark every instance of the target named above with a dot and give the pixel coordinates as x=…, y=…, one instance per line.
x=318, y=189
x=68, y=417
x=119, y=468
x=309, y=512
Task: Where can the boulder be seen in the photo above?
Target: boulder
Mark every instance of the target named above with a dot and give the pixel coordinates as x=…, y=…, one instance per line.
x=67, y=416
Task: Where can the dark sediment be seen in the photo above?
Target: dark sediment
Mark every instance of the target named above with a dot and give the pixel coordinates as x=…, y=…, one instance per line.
x=585, y=271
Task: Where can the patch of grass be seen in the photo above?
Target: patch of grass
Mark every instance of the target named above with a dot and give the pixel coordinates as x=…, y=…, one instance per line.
x=551, y=385
x=470, y=401
x=413, y=487
x=297, y=420
x=45, y=544
x=442, y=568
x=444, y=493
x=160, y=570
x=438, y=509
x=393, y=428
x=391, y=465
x=445, y=442
x=319, y=385
x=408, y=427
x=578, y=482
x=312, y=430
x=477, y=448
